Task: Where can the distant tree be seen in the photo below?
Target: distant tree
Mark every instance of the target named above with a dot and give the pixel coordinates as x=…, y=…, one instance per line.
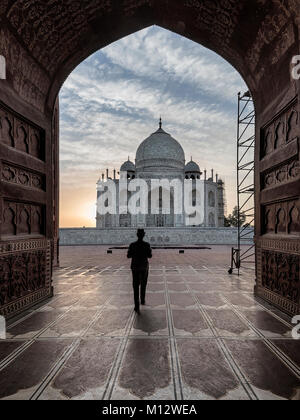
x=227, y=222
x=232, y=219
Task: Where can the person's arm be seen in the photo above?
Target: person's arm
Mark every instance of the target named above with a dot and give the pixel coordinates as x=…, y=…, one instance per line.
x=129, y=254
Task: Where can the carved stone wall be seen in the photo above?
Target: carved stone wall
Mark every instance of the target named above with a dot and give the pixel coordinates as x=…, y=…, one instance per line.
x=281, y=131
x=278, y=248
x=19, y=219
x=21, y=135
x=278, y=274
x=25, y=275
x=281, y=274
x=17, y=175
x=282, y=218
x=281, y=174
x=55, y=182
x=25, y=260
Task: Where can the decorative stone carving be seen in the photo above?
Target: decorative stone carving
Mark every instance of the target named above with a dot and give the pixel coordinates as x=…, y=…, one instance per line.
x=278, y=274
x=9, y=174
x=282, y=174
x=294, y=220
x=29, y=79
x=21, y=134
x=220, y=16
x=281, y=274
x=282, y=130
x=37, y=25
x=25, y=275
x=279, y=135
x=282, y=218
x=291, y=245
x=9, y=223
x=292, y=125
x=21, y=137
x=24, y=225
x=131, y=6
x=22, y=219
x=272, y=25
x=22, y=177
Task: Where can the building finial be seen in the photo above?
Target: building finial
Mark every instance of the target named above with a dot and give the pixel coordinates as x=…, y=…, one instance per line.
x=160, y=123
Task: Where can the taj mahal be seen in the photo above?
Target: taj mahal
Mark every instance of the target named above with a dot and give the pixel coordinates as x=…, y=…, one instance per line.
x=161, y=157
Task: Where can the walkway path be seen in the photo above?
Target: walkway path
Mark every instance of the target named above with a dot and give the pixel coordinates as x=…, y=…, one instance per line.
x=202, y=335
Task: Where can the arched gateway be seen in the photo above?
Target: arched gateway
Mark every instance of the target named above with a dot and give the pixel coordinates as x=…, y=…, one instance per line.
x=42, y=42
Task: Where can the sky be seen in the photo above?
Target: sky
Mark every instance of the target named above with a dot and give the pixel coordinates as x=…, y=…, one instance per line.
x=113, y=100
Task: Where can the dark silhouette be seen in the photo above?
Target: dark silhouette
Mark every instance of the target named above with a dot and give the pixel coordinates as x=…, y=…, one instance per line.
x=139, y=251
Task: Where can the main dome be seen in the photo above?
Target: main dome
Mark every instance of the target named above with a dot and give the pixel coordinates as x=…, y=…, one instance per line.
x=160, y=149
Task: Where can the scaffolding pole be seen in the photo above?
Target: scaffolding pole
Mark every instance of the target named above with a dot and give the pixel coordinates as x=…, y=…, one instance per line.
x=240, y=257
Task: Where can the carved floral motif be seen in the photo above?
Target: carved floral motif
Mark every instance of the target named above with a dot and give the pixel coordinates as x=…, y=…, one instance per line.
x=282, y=174
x=281, y=274
x=25, y=275
x=48, y=40
x=26, y=178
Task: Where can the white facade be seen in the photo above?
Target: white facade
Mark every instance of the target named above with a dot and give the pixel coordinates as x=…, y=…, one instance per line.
x=161, y=157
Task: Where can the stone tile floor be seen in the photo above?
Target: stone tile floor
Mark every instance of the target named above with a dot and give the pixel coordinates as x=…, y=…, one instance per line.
x=202, y=334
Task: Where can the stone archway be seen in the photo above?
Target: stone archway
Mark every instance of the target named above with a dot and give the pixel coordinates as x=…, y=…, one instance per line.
x=42, y=42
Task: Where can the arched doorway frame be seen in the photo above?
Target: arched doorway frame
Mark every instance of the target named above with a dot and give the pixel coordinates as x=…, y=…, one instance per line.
x=256, y=48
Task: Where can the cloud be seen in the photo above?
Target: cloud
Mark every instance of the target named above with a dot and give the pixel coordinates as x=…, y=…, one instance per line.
x=113, y=100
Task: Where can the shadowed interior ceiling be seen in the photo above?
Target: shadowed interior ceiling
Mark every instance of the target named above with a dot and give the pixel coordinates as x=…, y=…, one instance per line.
x=44, y=40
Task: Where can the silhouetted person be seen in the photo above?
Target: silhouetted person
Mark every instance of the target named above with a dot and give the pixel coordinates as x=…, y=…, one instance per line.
x=139, y=251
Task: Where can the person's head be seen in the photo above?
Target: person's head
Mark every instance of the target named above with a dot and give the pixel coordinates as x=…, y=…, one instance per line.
x=141, y=234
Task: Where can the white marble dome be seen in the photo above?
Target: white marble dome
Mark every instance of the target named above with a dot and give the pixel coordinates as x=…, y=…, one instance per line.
x=192, y=167
x=160, y=150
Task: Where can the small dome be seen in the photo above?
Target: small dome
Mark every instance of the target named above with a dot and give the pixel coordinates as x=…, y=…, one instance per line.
x=192, y=167
x=128, y=167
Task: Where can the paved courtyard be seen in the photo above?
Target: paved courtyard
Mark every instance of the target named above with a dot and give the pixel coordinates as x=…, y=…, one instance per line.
x=201, y=335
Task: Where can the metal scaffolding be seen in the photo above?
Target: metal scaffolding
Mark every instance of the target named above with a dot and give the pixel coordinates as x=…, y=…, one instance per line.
x=245, y=253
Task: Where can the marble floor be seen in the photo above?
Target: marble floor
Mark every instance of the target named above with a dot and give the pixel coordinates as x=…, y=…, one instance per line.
x=202, y=334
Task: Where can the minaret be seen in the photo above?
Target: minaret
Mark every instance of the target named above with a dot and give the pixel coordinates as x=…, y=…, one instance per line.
x=160, y=123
